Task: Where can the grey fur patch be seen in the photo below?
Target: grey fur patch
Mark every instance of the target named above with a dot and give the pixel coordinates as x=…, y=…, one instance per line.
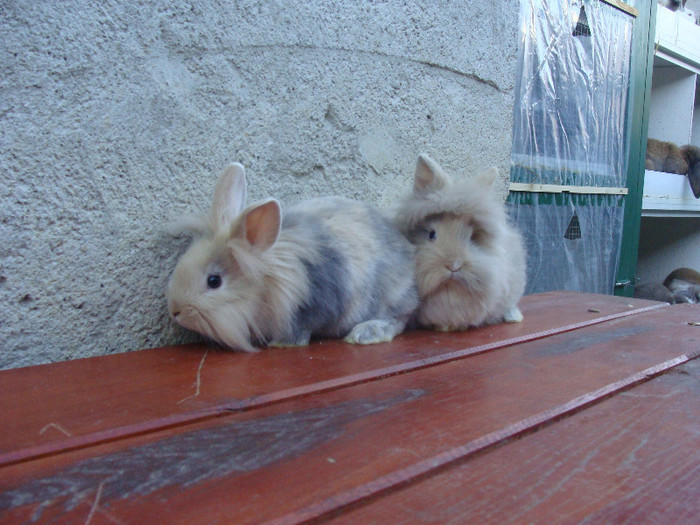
x=394, y=271
x=326, y=270
x=326, y=303
x=357, y=266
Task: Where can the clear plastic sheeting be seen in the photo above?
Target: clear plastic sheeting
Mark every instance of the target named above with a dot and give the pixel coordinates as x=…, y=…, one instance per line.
x=569, y=130
x=572, y=241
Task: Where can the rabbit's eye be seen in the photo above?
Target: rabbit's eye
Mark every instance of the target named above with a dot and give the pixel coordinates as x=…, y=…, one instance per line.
x=478, y=236
x=213, y=281
x=432, y=235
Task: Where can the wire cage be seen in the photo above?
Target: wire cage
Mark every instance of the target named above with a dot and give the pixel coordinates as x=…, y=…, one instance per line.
x=569, y=134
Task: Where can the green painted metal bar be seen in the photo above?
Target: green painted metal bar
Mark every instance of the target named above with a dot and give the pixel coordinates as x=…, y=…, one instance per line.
x=638, y=126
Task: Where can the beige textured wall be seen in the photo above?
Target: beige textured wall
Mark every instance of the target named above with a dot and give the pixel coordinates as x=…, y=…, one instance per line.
x=116, y=117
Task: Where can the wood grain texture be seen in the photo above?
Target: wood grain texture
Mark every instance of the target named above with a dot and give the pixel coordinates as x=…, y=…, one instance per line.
x=632, y=459
x=85, y=402
x=369, y=440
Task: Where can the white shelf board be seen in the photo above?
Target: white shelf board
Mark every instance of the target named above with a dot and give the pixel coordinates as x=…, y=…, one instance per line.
x=677, y=35
x=668, y=194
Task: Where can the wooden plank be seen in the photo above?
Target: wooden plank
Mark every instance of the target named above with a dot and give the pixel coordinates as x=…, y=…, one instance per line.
x=632, y=459
x=531, y=187
x=626, y=8
x=276, y=461
x=79, y=403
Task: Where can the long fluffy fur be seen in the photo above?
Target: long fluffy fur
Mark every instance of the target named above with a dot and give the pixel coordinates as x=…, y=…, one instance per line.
x=668, y=157
x=473, y=271
x=691, y=154
x=335, y=267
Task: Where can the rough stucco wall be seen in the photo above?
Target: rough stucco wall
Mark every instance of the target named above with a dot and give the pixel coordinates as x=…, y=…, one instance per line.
x=116, y=117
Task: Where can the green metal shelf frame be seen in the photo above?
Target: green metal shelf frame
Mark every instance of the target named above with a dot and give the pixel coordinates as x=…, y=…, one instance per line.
x=641, y=67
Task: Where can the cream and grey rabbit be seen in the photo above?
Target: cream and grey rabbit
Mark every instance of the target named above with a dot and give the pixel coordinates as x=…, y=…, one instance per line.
x=327, y=267
x=470, y=263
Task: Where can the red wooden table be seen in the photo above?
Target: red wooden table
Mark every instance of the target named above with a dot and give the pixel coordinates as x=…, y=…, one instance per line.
x=588, y=410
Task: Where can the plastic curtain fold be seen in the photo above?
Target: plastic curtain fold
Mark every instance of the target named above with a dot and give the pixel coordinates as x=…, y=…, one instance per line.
x=569, y=130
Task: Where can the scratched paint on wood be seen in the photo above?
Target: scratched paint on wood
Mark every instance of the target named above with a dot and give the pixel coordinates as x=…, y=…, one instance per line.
x=576, y=341
x=633, y=458
x=452, y=402
x=110, y=393
x=191, y=458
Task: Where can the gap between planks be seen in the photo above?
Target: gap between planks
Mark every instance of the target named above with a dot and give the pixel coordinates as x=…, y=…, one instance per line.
x=332, y=507
x=241, y=405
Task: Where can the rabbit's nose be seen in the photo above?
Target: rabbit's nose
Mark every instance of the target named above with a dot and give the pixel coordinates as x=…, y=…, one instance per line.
x=454, y=267
x=174, y=307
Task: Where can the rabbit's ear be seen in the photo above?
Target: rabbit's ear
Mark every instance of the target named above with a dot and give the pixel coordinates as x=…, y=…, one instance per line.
x=259, y=224
x=229, y=196
x=429, y=175
x=489, y=177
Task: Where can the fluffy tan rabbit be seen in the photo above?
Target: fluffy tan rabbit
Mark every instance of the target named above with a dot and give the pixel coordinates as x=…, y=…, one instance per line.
x=470, y=263
x=328, y=267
